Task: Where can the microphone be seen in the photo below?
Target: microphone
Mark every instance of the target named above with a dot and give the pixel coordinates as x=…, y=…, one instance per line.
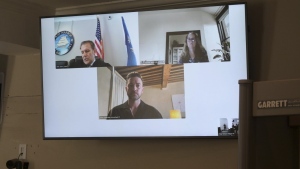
x=14, y=163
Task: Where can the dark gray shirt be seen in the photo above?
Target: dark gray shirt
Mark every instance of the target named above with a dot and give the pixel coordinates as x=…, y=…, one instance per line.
x=144, y=111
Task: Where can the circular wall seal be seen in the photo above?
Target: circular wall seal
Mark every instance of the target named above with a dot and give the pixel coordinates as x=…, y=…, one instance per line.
x=64, y=42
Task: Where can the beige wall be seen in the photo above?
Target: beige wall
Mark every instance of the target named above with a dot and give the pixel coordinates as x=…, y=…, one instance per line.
x=164, y=103
x=19, y=22
x=273, y=55
x=23, y=124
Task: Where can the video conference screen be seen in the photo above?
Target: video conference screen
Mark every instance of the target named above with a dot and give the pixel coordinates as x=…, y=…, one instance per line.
x=163, y=73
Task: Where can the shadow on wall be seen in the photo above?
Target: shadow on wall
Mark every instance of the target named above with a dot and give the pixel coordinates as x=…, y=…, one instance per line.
x=260, y=37
x=3, y=63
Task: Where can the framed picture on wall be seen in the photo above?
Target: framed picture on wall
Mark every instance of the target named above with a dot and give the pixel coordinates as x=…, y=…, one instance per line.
x=175, y=42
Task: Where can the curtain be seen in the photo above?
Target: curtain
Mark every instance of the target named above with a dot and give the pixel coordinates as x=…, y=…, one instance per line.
x=119, y=94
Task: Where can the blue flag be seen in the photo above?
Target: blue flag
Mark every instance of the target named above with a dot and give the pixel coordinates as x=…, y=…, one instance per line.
x=131, y=61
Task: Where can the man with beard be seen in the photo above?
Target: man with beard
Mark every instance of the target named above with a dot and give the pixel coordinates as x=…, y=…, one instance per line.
x=134, y=107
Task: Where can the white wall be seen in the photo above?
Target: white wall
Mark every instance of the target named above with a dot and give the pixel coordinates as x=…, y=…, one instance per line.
x=84, y=28
x=153, y=28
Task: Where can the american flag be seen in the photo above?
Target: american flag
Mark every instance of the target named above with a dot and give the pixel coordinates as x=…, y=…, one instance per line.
x=99, y=50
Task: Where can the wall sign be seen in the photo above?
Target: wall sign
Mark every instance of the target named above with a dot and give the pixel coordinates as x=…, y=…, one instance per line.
x=278, y=103
x=64, y=42
x=278, y=97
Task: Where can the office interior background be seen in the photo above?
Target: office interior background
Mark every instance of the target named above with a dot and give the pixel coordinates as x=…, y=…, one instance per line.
x=273, y=54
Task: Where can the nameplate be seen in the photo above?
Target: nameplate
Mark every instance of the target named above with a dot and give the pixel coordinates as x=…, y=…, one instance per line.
x=280, y=97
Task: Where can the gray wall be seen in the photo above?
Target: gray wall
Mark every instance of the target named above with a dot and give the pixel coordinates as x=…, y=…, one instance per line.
x=273, y=55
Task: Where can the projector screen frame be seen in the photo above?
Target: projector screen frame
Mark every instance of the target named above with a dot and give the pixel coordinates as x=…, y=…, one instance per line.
x=145, y=137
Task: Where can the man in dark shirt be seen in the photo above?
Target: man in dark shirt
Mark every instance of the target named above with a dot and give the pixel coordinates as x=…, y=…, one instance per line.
x=87, y=49
x=134, y=107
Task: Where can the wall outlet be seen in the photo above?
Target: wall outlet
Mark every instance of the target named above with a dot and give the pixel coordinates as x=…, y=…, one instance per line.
x=22, y=149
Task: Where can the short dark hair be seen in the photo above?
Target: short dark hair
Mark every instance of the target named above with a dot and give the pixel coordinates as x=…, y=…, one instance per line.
x=88, y=41
x=133, y=74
